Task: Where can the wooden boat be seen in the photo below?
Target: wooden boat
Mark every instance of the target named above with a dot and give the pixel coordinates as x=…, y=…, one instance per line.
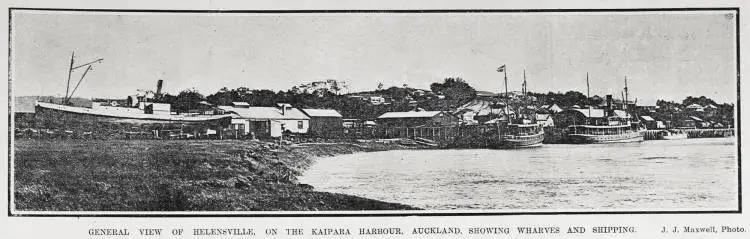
x=522, y=136
x=519, y=134
x=672, y=135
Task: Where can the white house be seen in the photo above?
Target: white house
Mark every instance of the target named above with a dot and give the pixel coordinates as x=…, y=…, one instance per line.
x=268, y=121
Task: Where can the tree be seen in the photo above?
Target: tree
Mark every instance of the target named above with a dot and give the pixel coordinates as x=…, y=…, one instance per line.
x=187, y=100
x=454, y=89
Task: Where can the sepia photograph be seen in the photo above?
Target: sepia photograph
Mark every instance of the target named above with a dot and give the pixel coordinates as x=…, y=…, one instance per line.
x=407, y=112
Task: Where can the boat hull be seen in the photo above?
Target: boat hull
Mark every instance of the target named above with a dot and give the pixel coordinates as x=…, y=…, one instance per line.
x=517, y=142
x=55, y=116
x=628, y=137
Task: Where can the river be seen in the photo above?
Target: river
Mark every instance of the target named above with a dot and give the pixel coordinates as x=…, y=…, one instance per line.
x=690, y=174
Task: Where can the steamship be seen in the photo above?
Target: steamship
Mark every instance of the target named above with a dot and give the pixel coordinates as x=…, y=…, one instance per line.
x=609, y=125
x=518, y=132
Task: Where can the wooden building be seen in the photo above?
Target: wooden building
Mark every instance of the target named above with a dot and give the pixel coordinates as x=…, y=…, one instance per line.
x=324, y=122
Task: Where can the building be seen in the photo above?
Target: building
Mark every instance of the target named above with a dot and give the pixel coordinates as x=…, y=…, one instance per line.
x=324, y=121
x=545, y=120
x=695, y=107
x=377, y=100
x=268, y=121
x=553, y=109
x=417, y=118
x=651, y=123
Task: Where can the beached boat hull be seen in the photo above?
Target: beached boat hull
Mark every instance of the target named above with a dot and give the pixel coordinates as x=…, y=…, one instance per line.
x=69, y=114
x=627, y=137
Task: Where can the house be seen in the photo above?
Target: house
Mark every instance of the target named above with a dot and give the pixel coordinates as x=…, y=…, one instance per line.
x=651, y=123
x=417, y=118
x=693, y=122
x=324, y=121
x=545, y=120
x=377, y=100
x=695, y=107
x=268, y=121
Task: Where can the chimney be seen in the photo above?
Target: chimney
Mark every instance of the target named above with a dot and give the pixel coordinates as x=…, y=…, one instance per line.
x=609, y=104
x=158, y=87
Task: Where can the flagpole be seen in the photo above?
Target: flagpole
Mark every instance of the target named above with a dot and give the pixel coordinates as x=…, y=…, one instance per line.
x=507, y=105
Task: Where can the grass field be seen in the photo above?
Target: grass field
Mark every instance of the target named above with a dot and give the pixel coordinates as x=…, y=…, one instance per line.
x=176, y=175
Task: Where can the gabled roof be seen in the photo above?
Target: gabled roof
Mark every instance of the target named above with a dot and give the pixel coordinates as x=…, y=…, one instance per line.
x=542, y=117
x=322, y=113
x=410, y=114
x=266, y=113
x=695, y=118
x=647, y=118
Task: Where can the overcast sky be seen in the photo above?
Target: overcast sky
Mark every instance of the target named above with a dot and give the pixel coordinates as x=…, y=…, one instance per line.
x=664, y=55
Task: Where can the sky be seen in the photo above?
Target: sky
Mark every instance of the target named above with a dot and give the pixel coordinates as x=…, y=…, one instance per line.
x=664, y=55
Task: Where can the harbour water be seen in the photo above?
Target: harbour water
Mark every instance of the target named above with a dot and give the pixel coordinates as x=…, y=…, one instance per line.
x=691, y=174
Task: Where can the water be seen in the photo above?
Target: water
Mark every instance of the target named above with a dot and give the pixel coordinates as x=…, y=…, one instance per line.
x=692, y=174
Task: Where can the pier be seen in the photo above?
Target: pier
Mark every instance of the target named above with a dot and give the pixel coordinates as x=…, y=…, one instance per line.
x=693, y=133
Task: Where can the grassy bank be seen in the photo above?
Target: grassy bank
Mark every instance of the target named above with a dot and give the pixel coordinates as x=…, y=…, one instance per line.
x=194, y=175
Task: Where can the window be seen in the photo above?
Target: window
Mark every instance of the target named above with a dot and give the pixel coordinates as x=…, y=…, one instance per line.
x=300, y=124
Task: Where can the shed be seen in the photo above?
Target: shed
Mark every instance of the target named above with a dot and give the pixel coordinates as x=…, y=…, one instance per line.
x=324, y=121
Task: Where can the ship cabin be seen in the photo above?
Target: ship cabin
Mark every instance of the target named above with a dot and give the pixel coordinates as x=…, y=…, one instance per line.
x=524, y=129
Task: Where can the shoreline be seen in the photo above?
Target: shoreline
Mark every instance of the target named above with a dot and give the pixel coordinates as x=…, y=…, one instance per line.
x=180, y=175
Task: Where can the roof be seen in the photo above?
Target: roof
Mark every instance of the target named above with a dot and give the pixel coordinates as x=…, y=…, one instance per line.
x=322, y=113
x=595, y=113
x=241, y=103
x=694, y=106
x=647, y=118
x=542, y=117
x=410, y=114
x=266, y=113
x=695, y=118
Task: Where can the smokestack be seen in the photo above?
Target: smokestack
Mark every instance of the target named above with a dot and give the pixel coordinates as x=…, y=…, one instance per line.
x=609, y=103
x=158, y=87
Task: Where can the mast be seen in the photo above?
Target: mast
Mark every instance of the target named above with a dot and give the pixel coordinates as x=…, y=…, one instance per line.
x=70, y=72
x=524, y=82
x=588, y=93
x=626, y=93
x=68, y=94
